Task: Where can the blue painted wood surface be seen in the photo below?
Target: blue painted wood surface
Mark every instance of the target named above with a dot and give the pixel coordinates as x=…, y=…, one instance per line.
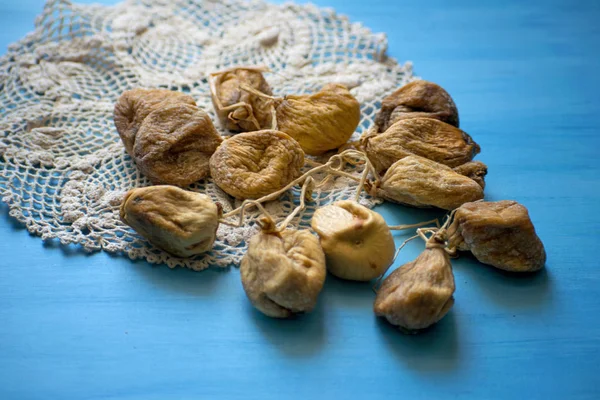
x=525, y=78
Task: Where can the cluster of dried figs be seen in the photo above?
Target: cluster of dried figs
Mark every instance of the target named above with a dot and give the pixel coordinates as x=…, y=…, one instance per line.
x=415, y=155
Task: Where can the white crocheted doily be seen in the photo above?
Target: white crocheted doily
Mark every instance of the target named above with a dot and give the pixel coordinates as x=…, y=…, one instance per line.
x=63, y=169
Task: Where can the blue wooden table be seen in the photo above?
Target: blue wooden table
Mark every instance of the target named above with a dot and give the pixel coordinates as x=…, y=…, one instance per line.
x=525, y=78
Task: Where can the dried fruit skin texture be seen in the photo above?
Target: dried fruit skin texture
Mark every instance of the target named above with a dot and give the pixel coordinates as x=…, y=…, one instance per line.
x=498, y=233
x=283, y=274
x=424, y=137
x=322, y=121
x=419, y=293
x=180, y=222
x=254, y=164
x=134, y=106
x=251, y=109
x=417, y=99
x=357, y=242
x=174, y=145
x=419, y=182
x=475, y=170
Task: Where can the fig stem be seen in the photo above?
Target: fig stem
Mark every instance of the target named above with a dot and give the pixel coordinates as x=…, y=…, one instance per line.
x=250, y=89
x=378, y=281
x=417, y=225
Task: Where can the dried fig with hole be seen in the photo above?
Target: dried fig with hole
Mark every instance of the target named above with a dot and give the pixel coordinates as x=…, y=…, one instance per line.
x=180, y=222
x=419, y=182
x=174, y=144
x=475, y=170
x=134, y=106
x=253, y=164
x=321, y=121
x=498, y=233
x=424, y=137
x=417, y=99
x=357, y=242
x=237, y=109
x=419, y=293
x=283, y=272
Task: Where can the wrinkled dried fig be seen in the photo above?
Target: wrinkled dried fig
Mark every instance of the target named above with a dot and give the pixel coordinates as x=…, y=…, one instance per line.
x=283, y=272
x=415, y=100
x=175, y=143
x=134, y=106
x=253, y=164
x=475, y=170
x=357, y=242
x=419, y=293
x=321, y=121
x=180, y=222
x=424, y=137
x=419, y=182
x=237, y=109
x=498, y=233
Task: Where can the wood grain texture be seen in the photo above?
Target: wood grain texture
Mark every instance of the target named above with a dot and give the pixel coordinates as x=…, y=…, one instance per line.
x=524, y=76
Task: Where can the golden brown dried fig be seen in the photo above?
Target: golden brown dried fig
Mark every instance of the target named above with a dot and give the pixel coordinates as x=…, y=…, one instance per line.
x=175, y=143
x=419, y=293
x=419, y=182
x=475, y=170
x=321, y=121
x=134, y=106
x=415, y=100
x=283, y=273
x=498, y=233
x=253, y=164
x=180, y=222
x=237, y=109
x=357, y=242
x=424, y=137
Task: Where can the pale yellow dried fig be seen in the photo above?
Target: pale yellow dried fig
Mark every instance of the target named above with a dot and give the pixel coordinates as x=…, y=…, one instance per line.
x=419, y=293
x=254, y=164
x=475, y=170
x=180, y=222
x=283, y=272
x=174, y=144
x=415, y=100
x=419, y=182
x=134, y=106
x=357, y=242
x=498, y=233
x=237, y=109
x=424, y=137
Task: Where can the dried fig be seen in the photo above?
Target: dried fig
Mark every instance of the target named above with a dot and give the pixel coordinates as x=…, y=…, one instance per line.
x=357, y=242
x=475, y=170
x=237, y=109
x=253, y=164
x=424, y=137
x=498, y=233
x=321, y=121
x=417, y=99
x=283, y=272
x=134, y=106
x=419, y=182
x=180, y=222
x=175, y=143
x=419, y=293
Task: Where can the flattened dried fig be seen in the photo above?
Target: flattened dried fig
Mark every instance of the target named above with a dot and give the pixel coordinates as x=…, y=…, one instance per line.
x=283, y=273
x=321, y=121
x=134, y=106
x=419, y=293
x=237, y=109
x=357, y=242
x=424, y=137
x=417, y=99
x=498, y=233
x=419, y=182
x=253, y=164
x=180, y=222
x=475, y=170
x=175, y=143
